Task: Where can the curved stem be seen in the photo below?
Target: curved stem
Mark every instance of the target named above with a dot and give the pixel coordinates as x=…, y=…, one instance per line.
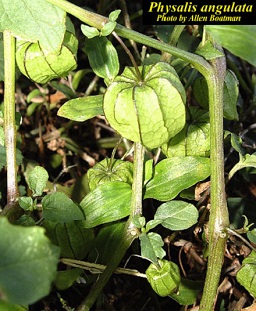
x=129, y=54
x=98, y=21
x=127, y=24
x=219, y=220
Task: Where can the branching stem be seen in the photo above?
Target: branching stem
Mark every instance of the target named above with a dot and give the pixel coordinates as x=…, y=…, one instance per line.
x=214, y=73
x=98, y=21
x=129, y=235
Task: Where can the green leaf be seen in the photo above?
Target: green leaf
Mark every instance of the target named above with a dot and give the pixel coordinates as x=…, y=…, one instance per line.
x=55, y=160
x=32, y=107
x=25, y=249
x=78, y=76
x=163, y=32
x=230, y=95
x=25, y=220
x=41, y=66
x=236, y=142
x=65, y=279
x=200, y=92
x=152, y=224
x=90, y=32
x=176, y=174
x=151, y=59
x=157, y=243
x=33, y=95
x=110, y=170
x=19, y=156
x=103, y=57
x=108, y=202
x=148, y=170
x=113, y=16
x=251, y=235
x=72, y=238
x=26, y=203
x=63, y=88
x=249, y=160
x=139, y=221
x=238, y=39
x=37, y=180
x=34, y=21
x=149, y=109
x=106, y=242
x=188, y=291
x=82, y=109
x=238, y=207
x=57, y=207
x=208, y=51
x=1, y=60
x=5, y=306
x=2, y=156
x=194, y=138
x=246, y=276
x=151, y=247
x=69, y=25
x=177, y=215
x=81, y=188
x=2, y=137
x=186, y=42
x=108, y=28
x=164, y=277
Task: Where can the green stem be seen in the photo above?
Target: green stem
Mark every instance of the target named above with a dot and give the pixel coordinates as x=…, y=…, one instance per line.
x=129, y=235
x=127, y=24
x=97, y=268
x=98, y=21
x=9, y=119
x=121, y=248
x=129, y=54
x=219, y=220
x=173, y=40
x=136, y=206
x=176, y=33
